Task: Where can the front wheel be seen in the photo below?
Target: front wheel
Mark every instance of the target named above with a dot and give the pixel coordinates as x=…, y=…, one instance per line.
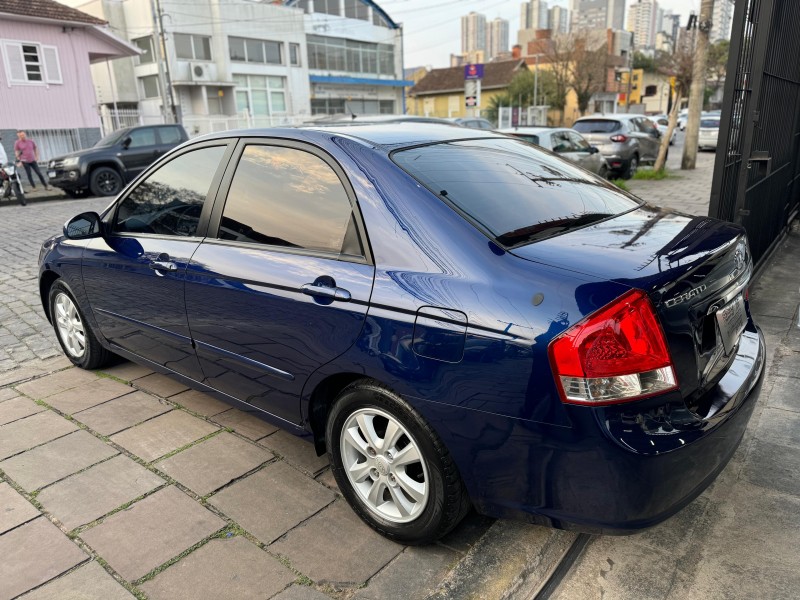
x=74, y=334
x=105, y=181
x=391, y=466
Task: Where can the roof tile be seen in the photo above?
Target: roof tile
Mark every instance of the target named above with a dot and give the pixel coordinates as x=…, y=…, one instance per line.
x=47, y=9
x=495, y=75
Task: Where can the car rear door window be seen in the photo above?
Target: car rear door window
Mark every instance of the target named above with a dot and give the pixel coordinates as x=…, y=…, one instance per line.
x=142, y=137
x=169, y=135
x=287, y=197
x=597, y=126
x=169, y=201
x=580, y=144
x=562, y=143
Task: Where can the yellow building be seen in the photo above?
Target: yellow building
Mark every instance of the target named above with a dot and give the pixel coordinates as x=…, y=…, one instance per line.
x=441, y=92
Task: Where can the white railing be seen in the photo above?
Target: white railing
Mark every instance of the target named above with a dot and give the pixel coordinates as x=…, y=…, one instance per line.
x=54, y=142
x=111, y=120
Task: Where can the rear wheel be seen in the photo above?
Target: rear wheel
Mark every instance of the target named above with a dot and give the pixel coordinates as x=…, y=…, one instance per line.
x=633, y=166
x=391, y=466
x=74, y=334
x=105, y=181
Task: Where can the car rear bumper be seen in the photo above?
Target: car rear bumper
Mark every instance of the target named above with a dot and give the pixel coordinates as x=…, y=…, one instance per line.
x=617, y=469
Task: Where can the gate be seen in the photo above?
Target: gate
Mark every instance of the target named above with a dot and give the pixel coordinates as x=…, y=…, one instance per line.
x=757, y=170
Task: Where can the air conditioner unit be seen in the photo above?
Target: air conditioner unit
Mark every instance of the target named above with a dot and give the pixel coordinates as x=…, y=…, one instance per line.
x=200, y=72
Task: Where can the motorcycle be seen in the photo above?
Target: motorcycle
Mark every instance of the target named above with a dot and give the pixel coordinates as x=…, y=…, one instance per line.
x=10, y=181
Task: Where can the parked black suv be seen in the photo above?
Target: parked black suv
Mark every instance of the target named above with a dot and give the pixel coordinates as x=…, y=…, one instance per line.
x=106, y=167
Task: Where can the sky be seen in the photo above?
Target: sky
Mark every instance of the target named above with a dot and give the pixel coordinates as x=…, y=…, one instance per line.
x=432, y=28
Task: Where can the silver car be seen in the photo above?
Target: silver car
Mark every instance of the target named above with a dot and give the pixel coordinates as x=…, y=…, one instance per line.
x=566, y=143
x=709, y=132
x=625, y=140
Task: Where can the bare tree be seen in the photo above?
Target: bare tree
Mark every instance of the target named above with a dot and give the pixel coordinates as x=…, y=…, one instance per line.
x=558, y=54
x=588, y=70
x=689, y=160
x=677, y=65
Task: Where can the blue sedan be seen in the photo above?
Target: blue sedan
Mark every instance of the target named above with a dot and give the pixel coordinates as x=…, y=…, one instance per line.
x=456, y=317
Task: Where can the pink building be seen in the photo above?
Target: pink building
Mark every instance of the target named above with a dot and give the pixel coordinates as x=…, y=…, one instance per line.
x=45, y=81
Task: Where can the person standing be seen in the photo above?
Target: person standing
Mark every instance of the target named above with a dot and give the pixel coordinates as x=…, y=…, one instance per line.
x=27, y=153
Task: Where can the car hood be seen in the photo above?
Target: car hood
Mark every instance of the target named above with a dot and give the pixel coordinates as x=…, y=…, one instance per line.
x=79, y=153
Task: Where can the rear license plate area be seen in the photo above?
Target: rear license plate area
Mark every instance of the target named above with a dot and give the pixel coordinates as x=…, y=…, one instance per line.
x=731, y=320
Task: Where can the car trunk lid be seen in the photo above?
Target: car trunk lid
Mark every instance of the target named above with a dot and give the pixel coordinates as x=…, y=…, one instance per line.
x=695, y=270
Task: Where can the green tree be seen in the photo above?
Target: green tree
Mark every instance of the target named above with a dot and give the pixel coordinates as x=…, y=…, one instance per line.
x=521, y=90
x=642, y=61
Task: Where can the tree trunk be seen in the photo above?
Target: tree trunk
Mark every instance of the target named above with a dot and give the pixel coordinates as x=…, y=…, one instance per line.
x=689, y=159
x=661, y=161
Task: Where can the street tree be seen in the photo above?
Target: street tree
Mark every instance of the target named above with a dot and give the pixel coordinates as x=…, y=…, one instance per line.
x=689, y=159
x=559, y=53
x=588, y=71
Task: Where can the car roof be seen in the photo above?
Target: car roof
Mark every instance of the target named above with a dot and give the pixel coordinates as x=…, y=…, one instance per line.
x=390, y=135
x=612, y=117
x=532, y=130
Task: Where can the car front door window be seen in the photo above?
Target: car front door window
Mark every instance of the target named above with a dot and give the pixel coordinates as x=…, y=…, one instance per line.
x=169, y=201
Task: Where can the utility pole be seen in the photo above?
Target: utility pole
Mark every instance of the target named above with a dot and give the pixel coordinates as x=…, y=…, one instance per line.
x=689, y=159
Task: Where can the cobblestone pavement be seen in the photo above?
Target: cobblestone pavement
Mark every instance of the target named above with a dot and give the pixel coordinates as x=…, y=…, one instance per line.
x=25, y=334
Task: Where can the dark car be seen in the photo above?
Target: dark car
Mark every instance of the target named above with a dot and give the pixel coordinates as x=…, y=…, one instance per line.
x=625, y=141
x=456, y=317
x=105, y=168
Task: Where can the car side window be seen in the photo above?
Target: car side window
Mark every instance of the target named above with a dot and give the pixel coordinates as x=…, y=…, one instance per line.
x=142, y=137
x=169, y=135
x=581, y=144
x=291, y=198
x=169, y=201
x=562, y=143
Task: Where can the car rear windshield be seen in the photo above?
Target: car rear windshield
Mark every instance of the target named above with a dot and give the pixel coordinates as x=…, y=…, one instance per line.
x=528, y=137
x=709, y=123
x=597, y=126
x=513, y=191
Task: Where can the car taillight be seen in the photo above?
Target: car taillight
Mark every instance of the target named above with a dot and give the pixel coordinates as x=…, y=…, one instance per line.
x=616, y=354
x=619, y=138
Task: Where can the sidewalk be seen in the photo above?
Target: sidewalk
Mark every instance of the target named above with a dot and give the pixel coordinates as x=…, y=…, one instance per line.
x=40, y=194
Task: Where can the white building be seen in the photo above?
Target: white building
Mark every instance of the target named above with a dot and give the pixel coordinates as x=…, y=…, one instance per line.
x=534, y=15
x=597, y=14
x=497, y=37
x=473, y=32
x=231, y=63
x=722, y=20
x=642, y=17
x=558, y=18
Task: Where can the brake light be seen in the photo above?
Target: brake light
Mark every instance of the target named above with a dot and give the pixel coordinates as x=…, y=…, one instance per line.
x=616, y=354
x=619, y=138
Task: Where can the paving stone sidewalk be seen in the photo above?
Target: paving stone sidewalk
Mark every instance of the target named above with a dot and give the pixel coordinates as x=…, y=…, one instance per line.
x=121, y=484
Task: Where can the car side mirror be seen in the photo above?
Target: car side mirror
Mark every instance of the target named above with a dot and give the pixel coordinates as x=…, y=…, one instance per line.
x=593, y=150
x=126, y=143
x=83, y=226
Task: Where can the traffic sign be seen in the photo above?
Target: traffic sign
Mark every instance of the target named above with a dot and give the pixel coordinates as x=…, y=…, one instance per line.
x=473, y=71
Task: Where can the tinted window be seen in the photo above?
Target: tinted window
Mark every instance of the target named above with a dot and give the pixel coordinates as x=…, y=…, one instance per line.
x=711, y=123
x=169, y=135
x=562, y=142
x=514, y=191
x=142, y=137
x=597, y=126
x=169, y=201
x=286, y=197
x=528, y=137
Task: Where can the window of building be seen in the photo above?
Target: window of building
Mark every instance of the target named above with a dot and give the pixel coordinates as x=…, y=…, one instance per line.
x=150, y=86
x=31, y=63
x=338, y=54
x=256, y=51
x=294, y=55
x=356, y=9
x=145, y=44
x=328, y=7
x=260, y=95
x=170, y=200
x=191, y=46
x=286, y=197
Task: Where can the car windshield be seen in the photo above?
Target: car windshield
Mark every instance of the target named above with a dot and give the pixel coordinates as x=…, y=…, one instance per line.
x=513, y=191
x=710, y=123
x=597, y=126
x=111, y=138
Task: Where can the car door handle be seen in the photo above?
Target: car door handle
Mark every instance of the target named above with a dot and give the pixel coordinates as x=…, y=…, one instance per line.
x=163, y=265
x=321, y=291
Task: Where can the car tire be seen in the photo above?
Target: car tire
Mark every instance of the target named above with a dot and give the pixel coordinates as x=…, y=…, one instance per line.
x=603, y=172
x=105, y=181
x=414, y=501
x=74, y=333
x=633, y=166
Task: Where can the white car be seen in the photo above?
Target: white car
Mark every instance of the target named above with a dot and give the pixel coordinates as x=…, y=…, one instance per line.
x=709, y=132
x=662, y=122
x=683, y=116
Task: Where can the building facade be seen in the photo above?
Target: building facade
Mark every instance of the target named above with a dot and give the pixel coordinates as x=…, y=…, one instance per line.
x=473, y=32
x=597, y=14
x=642, y=17
x=558, y=18
x=497, y=38
x=722, y=21
x=534, y=14
x=46, y=88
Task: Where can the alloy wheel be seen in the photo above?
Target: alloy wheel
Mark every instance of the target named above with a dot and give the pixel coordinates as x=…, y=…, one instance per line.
x=70, y=326
x=384, y=465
